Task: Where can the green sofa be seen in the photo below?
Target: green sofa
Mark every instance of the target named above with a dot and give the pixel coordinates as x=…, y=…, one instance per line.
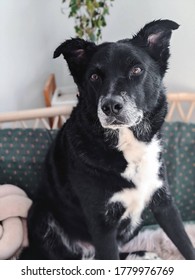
x=22, y=152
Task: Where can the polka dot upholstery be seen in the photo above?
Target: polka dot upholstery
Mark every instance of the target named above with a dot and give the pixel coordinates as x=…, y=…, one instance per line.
x=179, y=155
x=22, y=152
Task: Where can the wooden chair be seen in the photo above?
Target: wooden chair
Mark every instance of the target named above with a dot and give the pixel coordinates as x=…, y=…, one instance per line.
x=183, y=104
x=48, y=92
x=54, y=117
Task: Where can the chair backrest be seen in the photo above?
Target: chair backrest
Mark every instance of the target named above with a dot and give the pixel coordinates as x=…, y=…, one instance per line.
x=36, y=118
x=181, y=108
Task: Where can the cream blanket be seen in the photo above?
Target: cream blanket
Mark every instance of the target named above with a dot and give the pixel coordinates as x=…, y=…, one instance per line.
x=14, y=206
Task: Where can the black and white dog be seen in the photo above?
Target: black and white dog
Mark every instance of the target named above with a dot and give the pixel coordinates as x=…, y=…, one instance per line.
x=106, y=165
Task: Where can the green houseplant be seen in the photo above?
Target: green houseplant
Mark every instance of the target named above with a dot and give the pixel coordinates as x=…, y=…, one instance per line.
x=89, y=16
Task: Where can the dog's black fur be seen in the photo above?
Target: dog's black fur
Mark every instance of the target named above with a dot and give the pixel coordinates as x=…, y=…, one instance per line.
x=83, y=167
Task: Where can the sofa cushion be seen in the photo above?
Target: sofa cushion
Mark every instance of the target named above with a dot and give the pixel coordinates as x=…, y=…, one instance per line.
x=22, y=152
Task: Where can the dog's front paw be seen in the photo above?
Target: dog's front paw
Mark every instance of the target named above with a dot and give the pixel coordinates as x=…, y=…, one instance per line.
x=143, y=255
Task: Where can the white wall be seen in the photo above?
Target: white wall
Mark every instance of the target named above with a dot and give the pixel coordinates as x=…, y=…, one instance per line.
x=30, y=30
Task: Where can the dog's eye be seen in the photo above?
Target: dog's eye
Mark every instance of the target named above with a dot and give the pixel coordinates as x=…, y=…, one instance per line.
x=94, y=77
x=135, y=71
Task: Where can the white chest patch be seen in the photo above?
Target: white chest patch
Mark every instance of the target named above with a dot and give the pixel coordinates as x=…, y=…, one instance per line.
x=142, y=169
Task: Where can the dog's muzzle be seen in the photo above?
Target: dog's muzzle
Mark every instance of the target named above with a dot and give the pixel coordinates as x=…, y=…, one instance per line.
x=115, y=112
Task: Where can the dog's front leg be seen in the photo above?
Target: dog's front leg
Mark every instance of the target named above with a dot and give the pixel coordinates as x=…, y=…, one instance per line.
x=105, y=245
x=168, y=217
x=103, y=235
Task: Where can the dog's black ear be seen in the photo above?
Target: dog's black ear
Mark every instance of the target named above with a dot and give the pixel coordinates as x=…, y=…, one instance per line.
x=155, y=37
x=77, y=52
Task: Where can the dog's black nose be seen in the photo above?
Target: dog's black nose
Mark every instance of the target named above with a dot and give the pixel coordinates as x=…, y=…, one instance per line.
x=112, y=105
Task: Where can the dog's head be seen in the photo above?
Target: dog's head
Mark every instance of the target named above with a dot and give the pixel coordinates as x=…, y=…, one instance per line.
x=123, y=79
